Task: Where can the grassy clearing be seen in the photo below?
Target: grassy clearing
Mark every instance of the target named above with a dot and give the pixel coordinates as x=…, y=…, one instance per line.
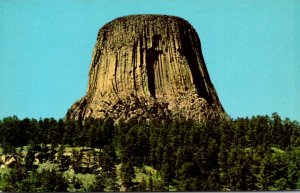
x=87, y=180
x=145, y=172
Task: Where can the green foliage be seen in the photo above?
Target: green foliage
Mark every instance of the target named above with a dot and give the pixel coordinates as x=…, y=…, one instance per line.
x=99, y=185
x=18, y=180
x=52, y=181
x=127, y=174
x=257, y=153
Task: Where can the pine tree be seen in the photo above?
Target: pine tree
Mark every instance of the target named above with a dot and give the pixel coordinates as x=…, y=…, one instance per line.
x=150, y=184
x=112, y=181
x=53, y=181
x=127, y=174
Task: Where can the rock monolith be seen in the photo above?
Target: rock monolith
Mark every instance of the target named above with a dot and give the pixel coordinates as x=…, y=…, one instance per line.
x=148, y=66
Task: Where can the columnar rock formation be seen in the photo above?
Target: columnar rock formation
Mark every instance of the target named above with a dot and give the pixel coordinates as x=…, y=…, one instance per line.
x=146, y=66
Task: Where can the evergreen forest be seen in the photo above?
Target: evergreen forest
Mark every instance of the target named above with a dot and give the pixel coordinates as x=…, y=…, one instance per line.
x=257, y=153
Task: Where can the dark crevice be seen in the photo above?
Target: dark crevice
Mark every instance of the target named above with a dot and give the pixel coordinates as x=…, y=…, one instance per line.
x=141, y=51
x=207, y=79
x=96, y=58
x=116, y=68
x=151, y=57
x=191, y=57
x=143, y=39
x=134, y=62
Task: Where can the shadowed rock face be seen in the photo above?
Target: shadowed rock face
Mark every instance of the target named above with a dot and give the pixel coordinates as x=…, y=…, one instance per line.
x=146, y=66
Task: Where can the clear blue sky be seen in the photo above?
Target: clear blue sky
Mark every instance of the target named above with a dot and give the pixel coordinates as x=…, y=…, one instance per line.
x=251, y=47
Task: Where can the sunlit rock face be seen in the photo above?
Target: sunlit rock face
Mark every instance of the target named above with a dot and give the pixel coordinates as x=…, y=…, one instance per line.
x=148, y=66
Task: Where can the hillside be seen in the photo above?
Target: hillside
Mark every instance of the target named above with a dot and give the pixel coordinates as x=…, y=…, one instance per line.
x=258, y=153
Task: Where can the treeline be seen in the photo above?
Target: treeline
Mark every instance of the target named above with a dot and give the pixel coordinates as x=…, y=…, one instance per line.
x=258, y=153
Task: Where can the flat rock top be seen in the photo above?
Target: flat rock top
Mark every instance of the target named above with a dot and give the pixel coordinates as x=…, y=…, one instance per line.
x=147, y=17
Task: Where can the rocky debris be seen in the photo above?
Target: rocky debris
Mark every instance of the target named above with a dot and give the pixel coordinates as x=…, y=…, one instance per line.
x=148, y=66
x=81, y=160
x=186, y=106
x=7, y=160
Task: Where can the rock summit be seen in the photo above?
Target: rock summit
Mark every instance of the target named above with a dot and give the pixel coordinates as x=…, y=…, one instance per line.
x=148, y=66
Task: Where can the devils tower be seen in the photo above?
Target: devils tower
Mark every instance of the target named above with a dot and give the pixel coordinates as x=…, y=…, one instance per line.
x=148, y=66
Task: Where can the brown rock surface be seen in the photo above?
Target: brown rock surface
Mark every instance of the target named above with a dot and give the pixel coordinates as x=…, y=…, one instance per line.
x=146, y=66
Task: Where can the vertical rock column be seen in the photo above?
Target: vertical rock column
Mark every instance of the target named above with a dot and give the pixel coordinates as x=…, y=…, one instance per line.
x=147, y=57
